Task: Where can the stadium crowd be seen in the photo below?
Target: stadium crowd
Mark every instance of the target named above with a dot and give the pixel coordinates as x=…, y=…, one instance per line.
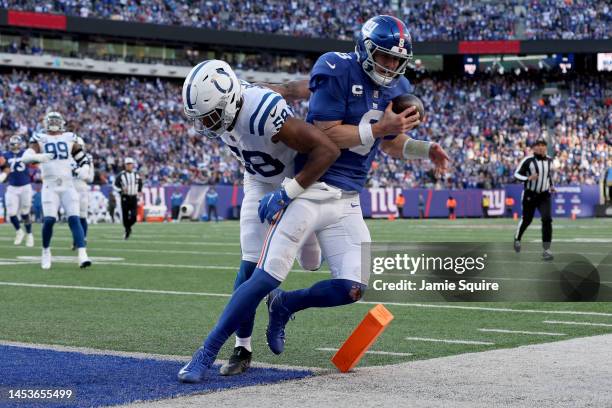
x=428, y=20
x=485, y=124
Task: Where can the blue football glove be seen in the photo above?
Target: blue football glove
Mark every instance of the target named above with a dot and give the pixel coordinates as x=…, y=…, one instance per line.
x=272, y=203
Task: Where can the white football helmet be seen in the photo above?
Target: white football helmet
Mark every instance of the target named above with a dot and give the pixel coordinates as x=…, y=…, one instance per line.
x=212, y=97
x=54, y=122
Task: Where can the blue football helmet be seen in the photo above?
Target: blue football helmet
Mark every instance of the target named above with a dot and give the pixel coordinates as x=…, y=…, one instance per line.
x=384, y=34
x=16, y=143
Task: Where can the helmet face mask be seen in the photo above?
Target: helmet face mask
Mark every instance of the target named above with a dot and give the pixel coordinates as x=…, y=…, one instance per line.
x=211, y=97
x=54, y=122
x=389, y=36
x=15, y=143
x=379, y=73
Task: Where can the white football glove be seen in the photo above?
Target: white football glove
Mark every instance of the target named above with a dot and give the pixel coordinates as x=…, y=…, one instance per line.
x=3, y=176
x=83, y=172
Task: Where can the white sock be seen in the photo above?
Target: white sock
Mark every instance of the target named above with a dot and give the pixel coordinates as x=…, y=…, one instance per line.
x=246, y=343
x=82, y=252
x=46, y=250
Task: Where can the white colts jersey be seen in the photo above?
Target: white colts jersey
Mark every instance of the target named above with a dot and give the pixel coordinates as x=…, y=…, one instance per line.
x=262, y=115
x=60, y=146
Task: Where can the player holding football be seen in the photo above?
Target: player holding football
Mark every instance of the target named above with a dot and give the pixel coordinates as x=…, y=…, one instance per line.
x=19, y=191
x=258, y=127
x=350, y=92
x=58, y=187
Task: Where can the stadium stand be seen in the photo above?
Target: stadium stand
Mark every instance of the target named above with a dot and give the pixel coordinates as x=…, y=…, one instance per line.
x=485, y=124
x=429, y=20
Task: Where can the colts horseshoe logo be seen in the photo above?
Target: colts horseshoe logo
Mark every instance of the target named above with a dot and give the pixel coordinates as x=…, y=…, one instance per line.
x=214, y=81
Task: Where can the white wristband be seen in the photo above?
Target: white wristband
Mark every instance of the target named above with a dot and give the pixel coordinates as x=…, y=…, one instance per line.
x=365, y=134
x=293, y=188
x=416, y=149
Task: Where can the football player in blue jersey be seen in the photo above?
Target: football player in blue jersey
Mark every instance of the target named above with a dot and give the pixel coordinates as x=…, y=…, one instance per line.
x=18, y=195
x=350, y=102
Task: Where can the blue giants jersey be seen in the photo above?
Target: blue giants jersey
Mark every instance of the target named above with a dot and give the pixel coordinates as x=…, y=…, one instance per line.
x=342, y=91
x=19, y=174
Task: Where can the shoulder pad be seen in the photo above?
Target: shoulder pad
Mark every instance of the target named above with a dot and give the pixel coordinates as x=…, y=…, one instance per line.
x=332, y=64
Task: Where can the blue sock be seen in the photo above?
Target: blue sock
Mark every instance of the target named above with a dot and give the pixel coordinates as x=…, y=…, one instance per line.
x=27, y=222
x=15, y=222
x=84, y=226
x=327, y=293
x=77, y=231
x=244, y=273
x=47, y=231
x=243, y=302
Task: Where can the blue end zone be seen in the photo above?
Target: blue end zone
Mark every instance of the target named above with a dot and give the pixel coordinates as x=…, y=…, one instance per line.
x=100, y=380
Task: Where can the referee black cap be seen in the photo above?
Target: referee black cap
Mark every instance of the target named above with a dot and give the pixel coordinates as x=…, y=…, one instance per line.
x=540, y=142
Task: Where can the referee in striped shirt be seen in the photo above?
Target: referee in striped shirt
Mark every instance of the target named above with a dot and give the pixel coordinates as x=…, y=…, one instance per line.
x=129, y=184
x=535, y=172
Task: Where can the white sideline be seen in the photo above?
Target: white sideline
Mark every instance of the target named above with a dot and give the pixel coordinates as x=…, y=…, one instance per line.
x=521, y=332
x=450, y=341
x=384, y=353
x=577, y=323
x=424, y=305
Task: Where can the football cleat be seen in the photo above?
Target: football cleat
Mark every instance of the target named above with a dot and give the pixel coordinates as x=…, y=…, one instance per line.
x=238, y=363
x=45, y=259
x=84, y=260
x=195, y=371
x=547, y=255
x=127, y=234
x=19, y=237
x=278, y=316
x=517, y=246
x=30, y=240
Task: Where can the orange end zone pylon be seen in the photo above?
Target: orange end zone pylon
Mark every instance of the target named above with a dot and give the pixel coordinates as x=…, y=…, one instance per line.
x=366, y=333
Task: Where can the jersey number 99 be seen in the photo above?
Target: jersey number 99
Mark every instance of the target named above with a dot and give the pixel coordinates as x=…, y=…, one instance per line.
x=59, y=150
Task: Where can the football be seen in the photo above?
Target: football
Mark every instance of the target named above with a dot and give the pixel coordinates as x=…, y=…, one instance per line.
x=402, y=102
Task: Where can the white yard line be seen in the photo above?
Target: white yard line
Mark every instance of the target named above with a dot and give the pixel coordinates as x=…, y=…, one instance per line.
x=450, y=341
x=384, y=353
x=420, y=305
x=521, y=332
x=577, y=323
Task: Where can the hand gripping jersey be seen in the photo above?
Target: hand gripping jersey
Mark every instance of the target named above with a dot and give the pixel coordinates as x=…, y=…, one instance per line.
x=342, y=91
x=262, y=115
x=60, y=147
x=19, y=174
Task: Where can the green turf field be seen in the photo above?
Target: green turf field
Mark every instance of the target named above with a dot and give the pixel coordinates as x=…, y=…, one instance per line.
x=179, y=276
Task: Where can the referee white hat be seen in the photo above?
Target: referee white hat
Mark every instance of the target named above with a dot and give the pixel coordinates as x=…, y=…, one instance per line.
x=129, y=160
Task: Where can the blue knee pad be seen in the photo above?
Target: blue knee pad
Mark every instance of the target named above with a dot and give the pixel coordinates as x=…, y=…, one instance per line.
x=47, y=231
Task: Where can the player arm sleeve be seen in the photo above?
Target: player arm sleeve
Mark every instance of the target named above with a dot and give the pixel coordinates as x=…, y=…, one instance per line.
x=521, y=171
x=327, y=102
x=30, y=156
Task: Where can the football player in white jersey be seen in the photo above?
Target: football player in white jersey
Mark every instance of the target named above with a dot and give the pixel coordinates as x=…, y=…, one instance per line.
x=82, y=187
x=259, y=128
x=53, y=149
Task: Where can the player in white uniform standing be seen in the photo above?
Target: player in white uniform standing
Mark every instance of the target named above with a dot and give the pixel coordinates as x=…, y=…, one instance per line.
x=82, y=187
x=53, y=149
x=259, y=128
